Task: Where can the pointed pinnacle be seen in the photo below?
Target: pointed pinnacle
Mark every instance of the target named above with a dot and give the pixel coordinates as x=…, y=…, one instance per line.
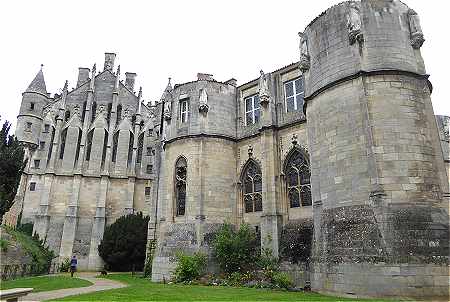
x=66, y=84
x=140, y=92
x=118, y=70
x=94, y=68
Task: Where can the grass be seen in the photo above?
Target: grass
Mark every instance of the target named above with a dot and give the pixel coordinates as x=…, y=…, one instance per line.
x=140, y=289
x=45, y=283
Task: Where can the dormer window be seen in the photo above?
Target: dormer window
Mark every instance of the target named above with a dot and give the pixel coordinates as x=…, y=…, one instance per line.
x=293, y=92
x=252, y=110
x=31, y=106
x=184, y=110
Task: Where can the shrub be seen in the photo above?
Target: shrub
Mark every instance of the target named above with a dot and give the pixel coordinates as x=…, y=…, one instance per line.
x=296, y=241
x=26, y=228
x=65, y=265
x=267, y=264
x=4, y=245
x=235, y=251
x=123, y=244
x=282, y=280
x=189, y=267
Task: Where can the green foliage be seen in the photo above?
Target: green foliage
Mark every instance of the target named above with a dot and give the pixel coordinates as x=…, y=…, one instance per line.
x=65, y=265
x=44, y=283
x=267, y=264
x=26, y=228
x=189, y=267
x=4, y=245
x=235, y=251
x=296, y=241
x=11, y=167
x=282, y=280
x=41, y=255
x=123, y=244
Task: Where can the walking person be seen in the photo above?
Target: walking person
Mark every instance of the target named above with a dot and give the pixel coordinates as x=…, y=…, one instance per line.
x=73, y=265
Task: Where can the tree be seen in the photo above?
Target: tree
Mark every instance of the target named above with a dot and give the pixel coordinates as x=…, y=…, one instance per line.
x=123, y=243
x=11, y=167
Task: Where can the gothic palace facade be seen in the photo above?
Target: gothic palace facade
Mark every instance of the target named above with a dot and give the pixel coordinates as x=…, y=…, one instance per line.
x=346, y=137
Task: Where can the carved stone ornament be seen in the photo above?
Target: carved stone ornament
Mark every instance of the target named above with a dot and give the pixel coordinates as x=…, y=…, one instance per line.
x=416, y=34
x=250, y=151
x=168, y=110
x=354, y=24
x=304, y=63
x=101, y=109
x=127, y=112
x=203, y=106
x=76, y=110
x=264, y=97
x=444, y=125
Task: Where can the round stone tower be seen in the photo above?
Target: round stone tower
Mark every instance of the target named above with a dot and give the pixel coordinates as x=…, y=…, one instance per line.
x=198, y=169
x=376, y=166
x=29, y=120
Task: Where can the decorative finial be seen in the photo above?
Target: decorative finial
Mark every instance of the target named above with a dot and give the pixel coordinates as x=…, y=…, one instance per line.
x=294, y=139
x=94, y=68
x=118, y=70
x=169, y=80
x=42, y=65
x=66, y=84
x=140, y=92
x=250, y=151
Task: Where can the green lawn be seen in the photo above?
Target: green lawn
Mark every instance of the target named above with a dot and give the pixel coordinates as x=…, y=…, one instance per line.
x=140, y=289
x=45, y=283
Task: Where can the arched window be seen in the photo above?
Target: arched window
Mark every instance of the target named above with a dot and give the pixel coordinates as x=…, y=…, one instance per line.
x=140, y=149
x=115, y=144
x=63, y=143
x=66, y=115
x=252, y=187
x=298, y=179
x=180, y=186
x=93, y=111
x=118, y=114
x=130, y=149
x=89, y=145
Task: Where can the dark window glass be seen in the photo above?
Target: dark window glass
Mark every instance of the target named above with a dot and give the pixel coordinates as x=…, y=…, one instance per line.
x=32, y=186
x=149, y=151
x=66, y=115
x=140, y=149
x=180, y=186
x=298, y=180
x=42, y=145
x=31, y=106
x=252, y=187
x=46, y=128
x=149, y=169
x=37, y=163
x=63, y=143
x=147, y=191
x=89, y=145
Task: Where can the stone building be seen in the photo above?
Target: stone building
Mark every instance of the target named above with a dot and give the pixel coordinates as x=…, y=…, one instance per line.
x=346, y=137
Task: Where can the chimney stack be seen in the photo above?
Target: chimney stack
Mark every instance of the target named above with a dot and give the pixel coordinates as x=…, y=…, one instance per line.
x=109, y=60
x=83, y=75
x=204, y=77
x=130, y=78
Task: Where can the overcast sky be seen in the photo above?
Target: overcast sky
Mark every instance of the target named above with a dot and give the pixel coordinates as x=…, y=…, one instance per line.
x=158, y=39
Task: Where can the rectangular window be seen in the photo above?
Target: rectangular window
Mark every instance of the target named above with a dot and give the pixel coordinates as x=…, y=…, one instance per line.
x=150, y=132
x=28, y=128
x=147, y=191
x=293, y=93
x=37, y=162
x=32, y=186
x=46, y=128
x=252, y=110
x=42, y=145
x=184, y=110
x=149, y=151
x=31, y=106
x=149, y=169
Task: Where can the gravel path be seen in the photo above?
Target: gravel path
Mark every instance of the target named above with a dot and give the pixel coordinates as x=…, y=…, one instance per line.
x=98, y=285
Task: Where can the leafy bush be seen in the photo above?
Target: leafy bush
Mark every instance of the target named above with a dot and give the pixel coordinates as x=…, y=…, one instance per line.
x=296, y=241
x=65, y=265
x=267, y=264
x=235, y=251
x=123, y=244
x=189, y=267
x=282, y=280
x=4, y=245
x=26, y=228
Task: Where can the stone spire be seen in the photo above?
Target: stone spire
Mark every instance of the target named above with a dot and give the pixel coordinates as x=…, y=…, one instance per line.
x=38, y=84
x=167, y=91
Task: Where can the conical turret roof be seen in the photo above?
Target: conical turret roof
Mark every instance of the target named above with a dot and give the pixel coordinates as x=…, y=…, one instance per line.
x=38, y=83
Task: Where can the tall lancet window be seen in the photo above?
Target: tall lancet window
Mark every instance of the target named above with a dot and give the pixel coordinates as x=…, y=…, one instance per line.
x=93, y=111
x=180, y=186
x=140, y=149
x=118, y=114
x=63, y=143
x=298, y=179
x=89, y=145
x=252, y=187
x=115, y=145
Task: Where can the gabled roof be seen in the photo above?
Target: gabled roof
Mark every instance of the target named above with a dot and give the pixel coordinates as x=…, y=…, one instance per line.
x=38, y=84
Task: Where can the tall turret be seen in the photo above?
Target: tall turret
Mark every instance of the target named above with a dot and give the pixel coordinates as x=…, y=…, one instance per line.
x=29, y=120
x=377, y=176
